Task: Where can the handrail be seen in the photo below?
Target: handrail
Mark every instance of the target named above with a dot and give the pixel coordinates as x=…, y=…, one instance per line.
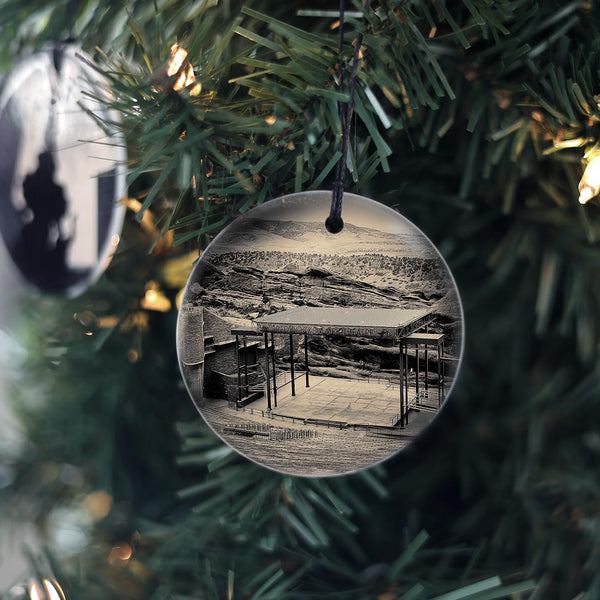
x=279, y=374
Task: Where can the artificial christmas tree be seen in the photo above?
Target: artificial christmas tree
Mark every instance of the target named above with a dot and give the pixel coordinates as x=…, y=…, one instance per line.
x=471, y=117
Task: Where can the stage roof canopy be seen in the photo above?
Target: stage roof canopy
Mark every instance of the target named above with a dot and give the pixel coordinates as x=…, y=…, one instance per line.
x=367, y=322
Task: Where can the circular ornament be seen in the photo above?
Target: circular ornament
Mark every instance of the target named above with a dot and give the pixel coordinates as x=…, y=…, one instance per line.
x=61, y=170
x=314, y=353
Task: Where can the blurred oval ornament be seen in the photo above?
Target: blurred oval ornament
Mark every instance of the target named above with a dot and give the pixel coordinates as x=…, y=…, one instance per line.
x=315, y=353
x=62, y=170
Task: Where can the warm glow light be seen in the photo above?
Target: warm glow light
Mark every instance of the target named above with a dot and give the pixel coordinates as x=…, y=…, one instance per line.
x=148, y=221
x=154, y=299
x=34, y=592
x=133, y=355
x=186, y=76
x=98, y=504
x=53, y=590
x=107, y=322
x=178, y=55
x=122, y=551
x=589, y=186
x=586, y=193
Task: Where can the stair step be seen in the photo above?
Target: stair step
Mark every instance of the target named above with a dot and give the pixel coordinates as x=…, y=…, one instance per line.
x=340, y=424
x=250, y=398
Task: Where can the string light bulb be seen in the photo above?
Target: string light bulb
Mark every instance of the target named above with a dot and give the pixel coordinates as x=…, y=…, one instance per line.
x=35, y=592
x=589, y=186
x=186, y=76
x=51, y=591
x=154, y=299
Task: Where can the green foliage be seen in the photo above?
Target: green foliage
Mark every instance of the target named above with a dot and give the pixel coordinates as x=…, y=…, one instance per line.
x=26, y=26
x=97, y=357
x=259, y=128
x=471, y=118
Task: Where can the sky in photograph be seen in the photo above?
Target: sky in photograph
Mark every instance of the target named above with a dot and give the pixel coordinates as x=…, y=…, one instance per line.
x=356, y=210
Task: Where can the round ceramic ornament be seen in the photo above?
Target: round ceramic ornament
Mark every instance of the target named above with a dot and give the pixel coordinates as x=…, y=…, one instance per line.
x=315, y=353
x=61, y=170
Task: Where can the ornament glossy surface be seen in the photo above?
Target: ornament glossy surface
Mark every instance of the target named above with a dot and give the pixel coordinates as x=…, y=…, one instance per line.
x=315, y=353
x=62, y=172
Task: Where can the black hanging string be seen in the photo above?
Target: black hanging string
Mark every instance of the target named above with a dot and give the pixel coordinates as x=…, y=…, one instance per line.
x=334, y=222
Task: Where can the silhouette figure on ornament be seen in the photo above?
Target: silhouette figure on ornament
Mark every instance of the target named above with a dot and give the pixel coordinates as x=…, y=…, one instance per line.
x=42, y=248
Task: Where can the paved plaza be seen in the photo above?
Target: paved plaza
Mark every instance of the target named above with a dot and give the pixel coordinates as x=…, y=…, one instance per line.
x=352, y=401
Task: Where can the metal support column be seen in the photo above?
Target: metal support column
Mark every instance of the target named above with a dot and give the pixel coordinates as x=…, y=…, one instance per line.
x=443, y=371
x=268, y=375
x=306, y=359
x=292, y=364
x=406, y=371
x=417, y=371
x=401, y=365
x=439, y=358
x=239, y=367
x=245, y=365
x=274, y=371
x=427, y=365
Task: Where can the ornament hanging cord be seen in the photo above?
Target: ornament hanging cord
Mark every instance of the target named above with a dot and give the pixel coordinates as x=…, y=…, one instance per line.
x=334, y=222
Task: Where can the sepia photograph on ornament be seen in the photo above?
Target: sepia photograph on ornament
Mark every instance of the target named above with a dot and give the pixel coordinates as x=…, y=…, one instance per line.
x=62, y=170
x=319, y=354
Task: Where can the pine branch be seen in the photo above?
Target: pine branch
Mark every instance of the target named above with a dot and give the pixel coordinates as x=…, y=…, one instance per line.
x=499, y=101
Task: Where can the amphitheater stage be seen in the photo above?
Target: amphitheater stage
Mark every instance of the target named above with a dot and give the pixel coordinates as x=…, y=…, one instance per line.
x=355, y=402
x=367, y=407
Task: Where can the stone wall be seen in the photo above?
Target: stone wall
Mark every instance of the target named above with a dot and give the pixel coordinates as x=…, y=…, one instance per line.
x=216, y=327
